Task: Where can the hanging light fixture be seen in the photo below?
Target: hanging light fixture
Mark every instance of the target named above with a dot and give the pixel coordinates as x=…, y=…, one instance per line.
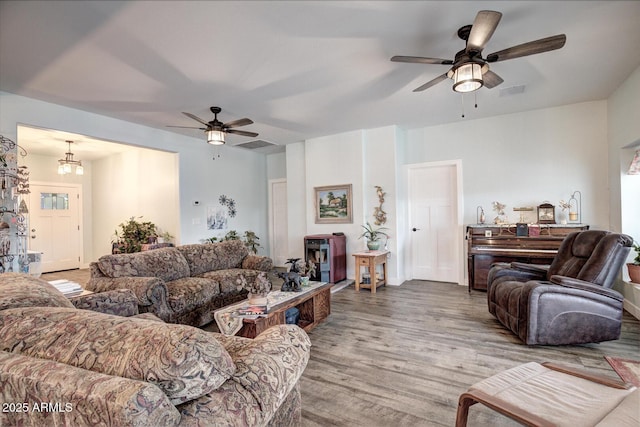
x=215, y=137
x=65, y=165
x=467, y=77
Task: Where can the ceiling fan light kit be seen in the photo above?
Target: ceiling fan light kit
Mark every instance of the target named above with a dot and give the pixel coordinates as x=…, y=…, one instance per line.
x=467, y=77
x=215, y=137
x=215, y=130
x=65, y=165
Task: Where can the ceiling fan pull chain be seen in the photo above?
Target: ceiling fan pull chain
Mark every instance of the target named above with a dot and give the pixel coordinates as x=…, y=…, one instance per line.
x=462, y=102
x=475, y=95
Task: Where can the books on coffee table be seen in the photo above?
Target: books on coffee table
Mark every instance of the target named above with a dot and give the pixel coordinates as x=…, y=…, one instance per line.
x=252, y=310
x=68, y=288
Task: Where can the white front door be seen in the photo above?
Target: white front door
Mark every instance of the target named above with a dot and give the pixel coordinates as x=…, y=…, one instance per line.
x=278, y=224
x=54, y=225
x=433, y=195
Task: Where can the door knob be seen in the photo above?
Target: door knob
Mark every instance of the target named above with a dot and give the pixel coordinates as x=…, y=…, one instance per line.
x=415, y=229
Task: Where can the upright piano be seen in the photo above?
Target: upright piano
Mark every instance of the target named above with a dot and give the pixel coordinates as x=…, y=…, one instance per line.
x=491, y=243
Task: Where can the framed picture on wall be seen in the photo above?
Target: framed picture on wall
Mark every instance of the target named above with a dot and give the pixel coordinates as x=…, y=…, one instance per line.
x=333, y=204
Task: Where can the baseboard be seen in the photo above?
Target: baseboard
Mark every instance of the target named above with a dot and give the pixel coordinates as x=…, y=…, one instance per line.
x=633, y=309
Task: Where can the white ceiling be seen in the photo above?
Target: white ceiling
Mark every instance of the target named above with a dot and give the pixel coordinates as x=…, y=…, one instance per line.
x=303, y=69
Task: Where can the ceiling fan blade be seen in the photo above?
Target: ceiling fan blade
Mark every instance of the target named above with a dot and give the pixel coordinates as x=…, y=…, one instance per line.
x=491, y=79
x=196, y=118
x=242, y=132
x=421, y=60
x=538, y=46
x=482, y=29
x=239, y=122
x=431, y=83
x=185, y=127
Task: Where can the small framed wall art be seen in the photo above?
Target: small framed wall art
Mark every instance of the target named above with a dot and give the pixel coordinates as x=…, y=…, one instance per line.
x=333, y=204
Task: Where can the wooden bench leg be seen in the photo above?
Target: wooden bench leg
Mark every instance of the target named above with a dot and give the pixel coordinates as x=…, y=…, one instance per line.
x=464, y=403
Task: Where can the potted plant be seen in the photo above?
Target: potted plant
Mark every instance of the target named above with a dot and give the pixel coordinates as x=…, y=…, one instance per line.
x=258, y=289
x=373, y=235
x=251, y=241
x=634, y=267
x=132, y=235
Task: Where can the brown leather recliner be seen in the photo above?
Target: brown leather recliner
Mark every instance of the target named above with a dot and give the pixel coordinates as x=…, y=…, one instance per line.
x=568, y=302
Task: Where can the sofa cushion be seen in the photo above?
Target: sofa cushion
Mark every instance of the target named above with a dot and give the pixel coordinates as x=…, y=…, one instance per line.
x=183, y=361
x=190, y=293
x=165, y=263
x=214, y=256
x=229, y=278
x=22, y=290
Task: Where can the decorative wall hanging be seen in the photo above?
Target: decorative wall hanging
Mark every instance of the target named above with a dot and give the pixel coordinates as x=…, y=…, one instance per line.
x=380, y=215
x=333, y=204
x=218, y=217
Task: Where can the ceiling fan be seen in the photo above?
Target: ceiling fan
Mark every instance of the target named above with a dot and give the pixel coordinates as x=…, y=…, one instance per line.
x=216, y=130
x=470, y=71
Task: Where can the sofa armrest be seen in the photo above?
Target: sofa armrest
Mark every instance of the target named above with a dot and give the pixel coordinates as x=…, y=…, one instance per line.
x=270, y=365
x=82, y=397
x=119, y=302
x=257, y=262
x=151, y=292
x=570, y=282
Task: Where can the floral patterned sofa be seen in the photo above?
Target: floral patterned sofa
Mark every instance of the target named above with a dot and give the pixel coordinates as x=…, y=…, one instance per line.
x=60, y=365
x=184, y=284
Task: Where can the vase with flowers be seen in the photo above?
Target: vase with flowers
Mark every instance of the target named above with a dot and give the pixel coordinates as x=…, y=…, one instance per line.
x=564, y=206
x=258, y=289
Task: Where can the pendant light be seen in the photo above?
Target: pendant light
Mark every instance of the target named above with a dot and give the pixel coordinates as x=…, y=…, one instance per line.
x=65, y=166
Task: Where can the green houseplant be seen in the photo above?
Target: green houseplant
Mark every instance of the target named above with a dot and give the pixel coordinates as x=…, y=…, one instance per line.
x=132, y=235
x=634, y=267
x=373, y=236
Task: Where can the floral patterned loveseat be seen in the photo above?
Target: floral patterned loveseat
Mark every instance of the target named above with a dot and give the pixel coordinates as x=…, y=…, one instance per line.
x=184, y=284
x=60, y=365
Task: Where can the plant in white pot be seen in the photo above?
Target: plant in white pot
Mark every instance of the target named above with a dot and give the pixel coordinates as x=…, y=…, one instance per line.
x=373, y=236
x=634, y=267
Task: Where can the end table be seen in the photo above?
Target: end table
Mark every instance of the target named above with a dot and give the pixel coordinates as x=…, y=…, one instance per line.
x=370, y=259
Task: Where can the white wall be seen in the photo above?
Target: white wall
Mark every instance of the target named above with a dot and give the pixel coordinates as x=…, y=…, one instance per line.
x=139, y=183
x=239, y=174
x=624, y=139
x=519, y=159
x=526, y=158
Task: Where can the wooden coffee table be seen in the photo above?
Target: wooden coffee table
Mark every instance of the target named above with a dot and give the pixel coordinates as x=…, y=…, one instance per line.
x=314, y=305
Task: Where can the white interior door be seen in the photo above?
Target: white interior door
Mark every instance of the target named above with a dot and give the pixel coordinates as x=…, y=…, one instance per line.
x=54, y=226
x=278, y=224
x=433, y=195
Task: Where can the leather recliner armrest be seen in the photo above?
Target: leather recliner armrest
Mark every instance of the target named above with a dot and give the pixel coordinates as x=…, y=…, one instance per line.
x=570, y=282
x=541, y=269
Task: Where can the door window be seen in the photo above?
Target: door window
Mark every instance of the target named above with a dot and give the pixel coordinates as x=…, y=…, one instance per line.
x=57, y=201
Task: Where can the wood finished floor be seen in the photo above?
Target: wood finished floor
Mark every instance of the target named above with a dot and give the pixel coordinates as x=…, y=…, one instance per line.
x=402, y=356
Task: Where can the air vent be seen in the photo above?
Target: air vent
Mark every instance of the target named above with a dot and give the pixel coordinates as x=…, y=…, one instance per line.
x=252, y=145
x=513, y=90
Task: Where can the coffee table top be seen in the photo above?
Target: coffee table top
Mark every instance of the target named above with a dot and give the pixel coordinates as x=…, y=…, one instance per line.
x=229, y=322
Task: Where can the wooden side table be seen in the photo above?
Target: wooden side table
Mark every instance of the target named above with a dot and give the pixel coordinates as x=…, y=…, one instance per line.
x=370, y=259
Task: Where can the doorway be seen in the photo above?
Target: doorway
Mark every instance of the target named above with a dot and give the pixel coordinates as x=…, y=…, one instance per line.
x=278, y=224
x=55, y=225
x=435, y=204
